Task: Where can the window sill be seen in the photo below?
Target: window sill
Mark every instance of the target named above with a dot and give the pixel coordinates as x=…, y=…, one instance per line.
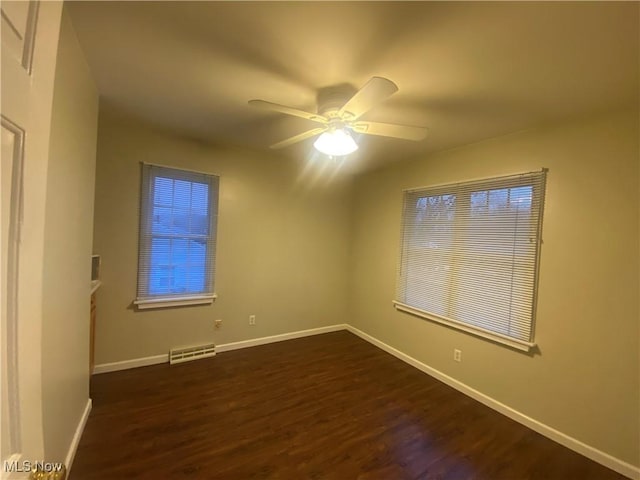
x=496, y=337
x=168, y=302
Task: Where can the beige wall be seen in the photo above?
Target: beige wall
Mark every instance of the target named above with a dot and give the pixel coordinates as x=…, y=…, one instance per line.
x=585, y=381
x=68, y=244
x=301, y=250
x=281, y=252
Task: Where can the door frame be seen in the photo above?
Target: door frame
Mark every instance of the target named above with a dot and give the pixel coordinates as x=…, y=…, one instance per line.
x=27, y=100
x=9, y=347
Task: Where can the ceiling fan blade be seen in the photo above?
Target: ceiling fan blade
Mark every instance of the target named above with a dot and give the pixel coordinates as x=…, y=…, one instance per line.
x=298, y=138
x=390, y=130
x=375, y=90
x=314, y=117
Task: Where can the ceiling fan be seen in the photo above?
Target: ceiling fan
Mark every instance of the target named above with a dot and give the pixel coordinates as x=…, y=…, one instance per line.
x=339, y=116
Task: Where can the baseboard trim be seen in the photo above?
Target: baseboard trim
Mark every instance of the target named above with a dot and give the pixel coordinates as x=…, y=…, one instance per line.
x=588, y=451
x=225, y=347
x=133, y=363
x=73, y=448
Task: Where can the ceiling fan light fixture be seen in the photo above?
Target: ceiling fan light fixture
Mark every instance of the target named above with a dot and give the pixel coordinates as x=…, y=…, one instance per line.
x=336, y=143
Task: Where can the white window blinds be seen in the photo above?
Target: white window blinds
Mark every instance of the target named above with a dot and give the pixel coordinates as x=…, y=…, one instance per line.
x=470, y=253
x=178, y=213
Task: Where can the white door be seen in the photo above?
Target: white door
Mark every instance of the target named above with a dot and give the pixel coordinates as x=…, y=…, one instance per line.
x=29, y=46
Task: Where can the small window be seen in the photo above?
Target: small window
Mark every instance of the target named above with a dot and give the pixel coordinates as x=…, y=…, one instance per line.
x=470, y=255
x=177, y=244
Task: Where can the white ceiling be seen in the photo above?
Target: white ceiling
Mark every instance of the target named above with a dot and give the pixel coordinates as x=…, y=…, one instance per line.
x=466, y=70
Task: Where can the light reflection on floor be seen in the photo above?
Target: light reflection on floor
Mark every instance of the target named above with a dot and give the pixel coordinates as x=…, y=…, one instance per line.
x=413, y=447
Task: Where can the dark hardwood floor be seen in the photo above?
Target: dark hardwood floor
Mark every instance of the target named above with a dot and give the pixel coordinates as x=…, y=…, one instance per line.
x=325, y=407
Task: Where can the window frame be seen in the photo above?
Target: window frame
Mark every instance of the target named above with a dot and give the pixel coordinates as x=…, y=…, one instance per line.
x=537, y=181
x=144, y=299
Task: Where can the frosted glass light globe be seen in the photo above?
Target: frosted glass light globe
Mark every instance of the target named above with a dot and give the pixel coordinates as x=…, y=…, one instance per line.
x=336, y=143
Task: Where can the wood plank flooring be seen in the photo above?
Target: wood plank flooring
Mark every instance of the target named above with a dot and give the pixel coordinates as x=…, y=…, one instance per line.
x=330, y=406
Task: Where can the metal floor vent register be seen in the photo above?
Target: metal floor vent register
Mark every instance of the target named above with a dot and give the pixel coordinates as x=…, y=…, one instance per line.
x=179, y=355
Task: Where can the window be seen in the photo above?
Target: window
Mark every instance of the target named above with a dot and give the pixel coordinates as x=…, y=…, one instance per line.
x=470, y=253
x=177, y=244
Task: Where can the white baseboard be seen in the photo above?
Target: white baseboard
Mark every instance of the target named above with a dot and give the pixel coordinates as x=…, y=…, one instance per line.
x=133, y=363
x=71, y=454
x=588, y=451
x=225, y=347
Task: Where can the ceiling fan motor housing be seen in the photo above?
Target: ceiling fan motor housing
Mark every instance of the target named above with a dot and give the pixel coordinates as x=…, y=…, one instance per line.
x=331, y=99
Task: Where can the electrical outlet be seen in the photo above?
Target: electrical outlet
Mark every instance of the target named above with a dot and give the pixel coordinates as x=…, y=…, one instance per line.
x=218, y=323
x=457, y=355
x=252, y=319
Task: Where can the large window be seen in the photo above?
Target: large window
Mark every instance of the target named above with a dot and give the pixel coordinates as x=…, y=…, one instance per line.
x=470, y=255
x=176, y=261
